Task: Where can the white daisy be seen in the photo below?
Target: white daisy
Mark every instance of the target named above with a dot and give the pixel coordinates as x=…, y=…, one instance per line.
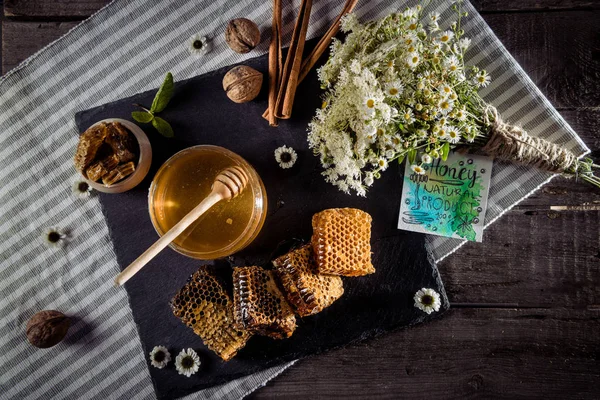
x=460, y=114
x=482, y=79
x=285, y=156
x=54, y=237
x=452, y=64
x=445, y=90
x=445, y=37
x=412, y=25
x=427, y=300
x=382, y=163
x=370, y=105
x=81, y=188
x=198, y=45
x=434, y=17
x=160, y=357
x=464, y=43
x=394, y=89
x=445, y=106
x=453, y=135
x=408, y=116
x=413, y=60
x=426, y=159
x=187, y=362
x=411, y=39
x=417, y=169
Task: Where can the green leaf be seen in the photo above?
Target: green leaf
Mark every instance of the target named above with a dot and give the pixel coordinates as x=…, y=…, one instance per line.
x=164, y=94
x=401, y=158
x=445, y=151
x=412, y=156
x=163, y=127
x=142, y=116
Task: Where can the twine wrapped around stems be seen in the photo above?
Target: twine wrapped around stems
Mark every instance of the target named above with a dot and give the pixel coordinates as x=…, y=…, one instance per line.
x=512, y=143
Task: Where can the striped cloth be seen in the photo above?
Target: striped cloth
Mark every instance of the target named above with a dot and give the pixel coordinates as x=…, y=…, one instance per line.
x=124, y=49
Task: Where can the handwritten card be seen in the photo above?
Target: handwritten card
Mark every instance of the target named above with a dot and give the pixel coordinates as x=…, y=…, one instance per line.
x=450, y=199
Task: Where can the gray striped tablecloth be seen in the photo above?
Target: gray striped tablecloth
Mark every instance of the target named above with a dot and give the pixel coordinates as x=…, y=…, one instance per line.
x=124, y=49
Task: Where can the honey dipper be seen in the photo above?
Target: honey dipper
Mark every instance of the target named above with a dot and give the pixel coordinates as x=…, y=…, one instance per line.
x=228, y=184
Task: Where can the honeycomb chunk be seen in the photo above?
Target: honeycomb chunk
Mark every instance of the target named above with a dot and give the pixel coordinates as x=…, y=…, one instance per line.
x=259, y=305
x=203, y=305
x=121, y=142
x=307, y=290
x=90, y=142
x=342, y=242
x=102, y=167
x=120, y=172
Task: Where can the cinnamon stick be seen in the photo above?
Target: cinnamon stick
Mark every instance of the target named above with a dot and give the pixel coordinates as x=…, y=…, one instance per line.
x=275, y=61
x=293, y=63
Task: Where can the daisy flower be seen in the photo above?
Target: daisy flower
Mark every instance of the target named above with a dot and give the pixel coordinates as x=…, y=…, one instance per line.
x=187, y=362
x=285, y=156
x=412, y=25
x=410, y=39
x=160, y=357
x=427, y=300
x=54, y=237
x=445, y=90
x=369, y=106
x=453, y=135
x=417, y=169
x=434, y=17
x=464, y=43
x=445, y=106
x=452, y=64
x=394, y=89
x=446, y=36
x=81, y=188
x=408, y=116
x=460, y=114
x=482, y=79
x=198, y=45
x=426, y=159
x=413, y=60
x=382, y=163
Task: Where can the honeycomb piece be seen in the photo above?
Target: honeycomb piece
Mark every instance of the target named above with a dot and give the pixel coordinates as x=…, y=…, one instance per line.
x=90, y=142
x=259, y=306
x=120, y=141
x=203, y=305
x=342, y=242
x=121, y=172
x=102, y=167
x=307, y=290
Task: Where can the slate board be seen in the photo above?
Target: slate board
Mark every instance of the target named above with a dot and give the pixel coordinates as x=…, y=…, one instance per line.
x=200, y=113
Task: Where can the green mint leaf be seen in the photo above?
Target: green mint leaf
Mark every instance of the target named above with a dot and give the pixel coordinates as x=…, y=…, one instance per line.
x=412, y=156
x=163, y=95
x=163, y=127
x=401, y=158
x=142, y=116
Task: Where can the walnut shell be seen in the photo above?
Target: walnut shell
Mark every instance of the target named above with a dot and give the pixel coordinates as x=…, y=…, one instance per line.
x=47, y=328
x=242, y=83
x=242, y=35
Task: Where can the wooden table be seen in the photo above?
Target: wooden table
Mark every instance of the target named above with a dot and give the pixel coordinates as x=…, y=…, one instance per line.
x=525, y=317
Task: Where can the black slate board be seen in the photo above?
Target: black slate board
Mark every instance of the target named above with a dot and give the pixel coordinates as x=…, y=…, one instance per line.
x=201, y=113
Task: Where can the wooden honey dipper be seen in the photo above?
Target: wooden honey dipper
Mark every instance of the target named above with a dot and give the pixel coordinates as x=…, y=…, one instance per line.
x=228, y=184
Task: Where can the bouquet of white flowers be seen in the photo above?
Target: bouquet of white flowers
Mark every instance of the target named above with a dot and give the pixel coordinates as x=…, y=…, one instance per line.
x=398, y=88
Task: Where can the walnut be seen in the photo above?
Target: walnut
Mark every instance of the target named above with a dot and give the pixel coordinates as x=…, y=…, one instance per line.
x=242, y=83
x=242, y=35
x=47, y=328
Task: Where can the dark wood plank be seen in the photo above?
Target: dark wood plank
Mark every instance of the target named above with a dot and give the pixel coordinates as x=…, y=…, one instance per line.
x=559, y=50
x=22, y=39
x=470, y=353
x=485, y=6
x=52, y=9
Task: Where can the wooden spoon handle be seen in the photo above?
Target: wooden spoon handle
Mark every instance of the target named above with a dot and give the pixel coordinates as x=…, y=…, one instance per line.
x=168, y=237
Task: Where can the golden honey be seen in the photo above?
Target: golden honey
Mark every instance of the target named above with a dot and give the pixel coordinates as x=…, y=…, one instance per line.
x=184, y=181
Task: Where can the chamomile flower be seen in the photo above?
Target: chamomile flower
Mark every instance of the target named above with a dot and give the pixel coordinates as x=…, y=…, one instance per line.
x=427, y=300
x=452, y=64
x=464, y=43
x=412, y=25
x=370, y=106
x=445, y=106
x=445, y=37
x=426, y=159
x=408, y=116
x=355, y=67
x=413, y=60
x=81, y=188
x=187, y=362
x=445, y=90
x=460, y=114
x=160, y=357
x=394, y=89
x=285, y=156
x=482, y=79
x=417, y=169
x=411, y=39
x=198, y=45
x=54, y=237
x=453, y=135
x=434, y=17
x=382, y=163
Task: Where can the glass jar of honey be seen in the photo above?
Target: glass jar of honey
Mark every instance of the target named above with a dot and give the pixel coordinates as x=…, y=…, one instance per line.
x=185, y=180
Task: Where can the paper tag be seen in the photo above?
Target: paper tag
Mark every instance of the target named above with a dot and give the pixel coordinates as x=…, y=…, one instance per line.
x=450, y=199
